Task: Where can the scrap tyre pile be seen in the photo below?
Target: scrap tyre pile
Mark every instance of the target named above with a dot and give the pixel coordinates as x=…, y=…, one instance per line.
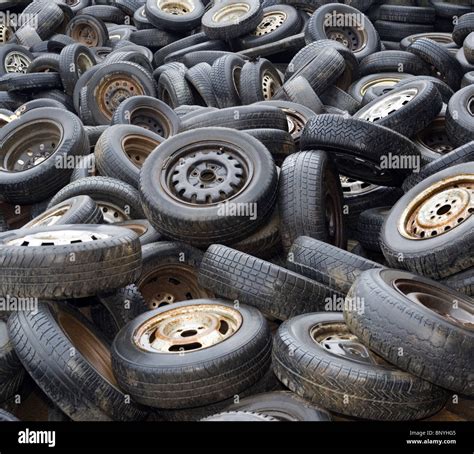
x=202, y=200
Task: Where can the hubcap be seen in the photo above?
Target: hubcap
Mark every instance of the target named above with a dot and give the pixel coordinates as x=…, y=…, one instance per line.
x=16, y=62
x=205, y=177
x=57, y=238
x=439, y=209
x=231, y=13
x=391, y=103
x=457, y=310
x=112, y=213
x=188, y=328
x=270, y=22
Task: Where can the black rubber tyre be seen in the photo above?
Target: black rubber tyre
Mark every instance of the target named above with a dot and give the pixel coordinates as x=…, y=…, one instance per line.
x=66, y=139
x=464, y=153
x=44, y=63
x=107, y=13
x=225, y=77
x=199, y=78
x=11, y=370
x=362, y=46
x=214, y=44
x=179, y=44
x=421, y=103
x=259, y=80
x=348, y=138
x=468, y=47
x=279, y=143
x=393, y=61
x=245, y=19
x=118, y=201
x=444, y=64
x=106, y=75
x=203, y=220
x=98, y=35
x=7, y=65
x=325, y=263
x=203, y=56
x=239, y=416
x=74, y=60
x=122, y=150
x=310, y=199
x=31, y=82
x=436, y=347
x=468, y=79
x=239, y=117
x=169, y=274
x=77, y=383
x=369, y=227
x=168, y=380
x=179, y=17
x=114, y=310
x=278, y=22
x=273, y=290
x=414, y=14
x=460, y=116
x=84, y=168
x=7, y=417
x=173, y=89
x=281, y=405
x=335, y=97
x=396, y=31
x=463, y=26
x=142, y=227
x=438, y=255
x=461, y=282
x=445, y=91
x=370, y=391
x=76, y=210
x=41, y=266
x=445, y=39
x=37, y=104
x=358, y=89
x=299, y=91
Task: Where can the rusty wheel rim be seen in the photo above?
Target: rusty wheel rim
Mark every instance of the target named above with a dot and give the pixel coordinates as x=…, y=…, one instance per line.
x=176, y=8
x=88, y=344
x=336, y=339
x=49, y=218
x=170, y=284
x=30, y=145
x=86, y=34
x=296, y=122
x=207, y=173
x=271, y=21
x=138, y=148
x=112, y=91
x=439, y=209
x=457, y=310
x=389, y=104
x=188, y=329
x=435, y=137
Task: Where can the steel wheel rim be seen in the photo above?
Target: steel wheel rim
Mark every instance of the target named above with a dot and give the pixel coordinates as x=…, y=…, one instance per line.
x=112, y=91
x=112, y=213
x=169, y=284
x=389, y=104
x=83, y=64
x=231, y=13
x=271, y=21
x=188, y=329
x=388, y=81
x=5, y=33
x=52, y=218
x=457, y=310
x=350, y=37
x=269, y=85
x=296, y=122
x=16, y=62
x=137, y=148
x=151, y=119
x=336, y=339
x=88, y=344
x=57, y=238
x=439, y=209
x=176, y=8
x=207, y=173
x=86, y=34
x=435, y=138
x=29, y=146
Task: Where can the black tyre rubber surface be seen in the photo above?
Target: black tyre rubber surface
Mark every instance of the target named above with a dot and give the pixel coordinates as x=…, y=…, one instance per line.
x=369, y=227
x=225, y=80
x=435, y=348
x=461, y=282
x=279, y=143
x=11, y=370
x=435, y=257
x=82, y=391
x=168, y=380
x=345, y=385
x=309, y=189
x=273, y=290
x=327, y=264
x=459, y=116
x=72, y=270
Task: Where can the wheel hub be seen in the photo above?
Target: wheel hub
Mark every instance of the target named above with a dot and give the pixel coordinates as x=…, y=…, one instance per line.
x=384, y=107
x=112, y=213
x=16, y=62
x=208, y=177
x=231, y=13
x=270, y=22
x=269, y=86
x=350, y=37
x=113, y=91
x=188, y=328
x=86, y=35
x=439, y=209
